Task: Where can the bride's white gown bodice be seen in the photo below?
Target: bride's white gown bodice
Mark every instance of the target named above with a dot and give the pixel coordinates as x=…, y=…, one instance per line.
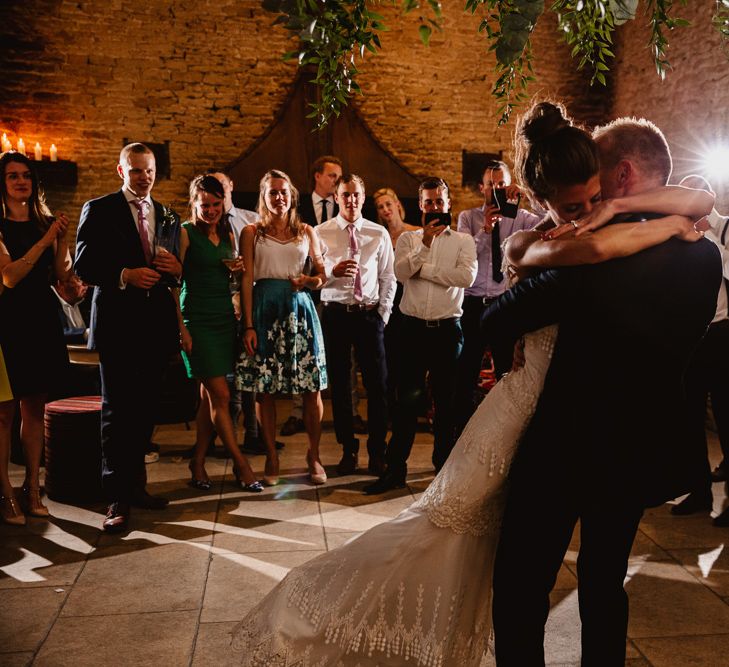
x=415, y=590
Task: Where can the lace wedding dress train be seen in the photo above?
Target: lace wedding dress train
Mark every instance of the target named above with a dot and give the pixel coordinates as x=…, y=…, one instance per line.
x=415, y=590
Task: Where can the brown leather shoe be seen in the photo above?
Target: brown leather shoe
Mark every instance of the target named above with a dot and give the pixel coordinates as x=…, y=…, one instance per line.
x=117, y=518
x=146, y=501
x=348, y=464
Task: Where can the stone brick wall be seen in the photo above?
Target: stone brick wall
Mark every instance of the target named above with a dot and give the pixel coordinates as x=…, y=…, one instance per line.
x=208, y=78
x=431, y=103
x=86, y=75
x=692, y=105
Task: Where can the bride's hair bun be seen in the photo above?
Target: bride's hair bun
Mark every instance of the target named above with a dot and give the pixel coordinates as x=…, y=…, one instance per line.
x=551, y=151
x=542, y=121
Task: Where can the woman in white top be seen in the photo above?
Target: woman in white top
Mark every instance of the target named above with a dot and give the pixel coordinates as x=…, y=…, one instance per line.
x=283, y=344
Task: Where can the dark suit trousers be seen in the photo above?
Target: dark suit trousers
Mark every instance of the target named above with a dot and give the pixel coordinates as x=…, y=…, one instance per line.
x=425, y=350
x=131, y=378
x=362, y=330
x=708, y=376
x=536, y=532
x=469, y=364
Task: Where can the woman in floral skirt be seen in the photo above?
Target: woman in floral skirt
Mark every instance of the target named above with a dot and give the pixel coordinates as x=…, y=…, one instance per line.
x=283, y=344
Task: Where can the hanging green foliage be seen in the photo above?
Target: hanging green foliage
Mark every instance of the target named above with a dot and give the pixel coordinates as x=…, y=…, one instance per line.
x=332, y=36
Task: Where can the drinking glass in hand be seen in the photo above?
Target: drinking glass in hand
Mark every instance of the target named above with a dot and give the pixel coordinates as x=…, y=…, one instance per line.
x=230, y=259
x=355, y=256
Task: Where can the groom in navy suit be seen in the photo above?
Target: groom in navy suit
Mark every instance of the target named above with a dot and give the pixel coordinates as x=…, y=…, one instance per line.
x=610, y=434
x=127, y=246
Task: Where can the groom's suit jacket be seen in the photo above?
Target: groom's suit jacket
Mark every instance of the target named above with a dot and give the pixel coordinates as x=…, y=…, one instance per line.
x=108, y=241
x=611, y=419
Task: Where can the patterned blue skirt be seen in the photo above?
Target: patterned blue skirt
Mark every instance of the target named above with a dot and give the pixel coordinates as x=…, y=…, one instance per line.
x=290, y=355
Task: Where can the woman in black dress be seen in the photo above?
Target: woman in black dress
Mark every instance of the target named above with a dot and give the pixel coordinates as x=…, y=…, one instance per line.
x=33, y=254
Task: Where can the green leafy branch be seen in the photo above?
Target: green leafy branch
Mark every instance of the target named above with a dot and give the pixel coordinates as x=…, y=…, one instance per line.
x=508, y=25
x=661, y=22
x=587, y=26
x=330, y=35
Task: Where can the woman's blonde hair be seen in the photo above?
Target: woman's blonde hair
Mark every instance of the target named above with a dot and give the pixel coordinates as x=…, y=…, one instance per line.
x=294, y=221
x=389, y=192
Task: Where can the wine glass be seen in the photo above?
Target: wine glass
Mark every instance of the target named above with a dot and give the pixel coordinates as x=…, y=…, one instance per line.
x=229, y=257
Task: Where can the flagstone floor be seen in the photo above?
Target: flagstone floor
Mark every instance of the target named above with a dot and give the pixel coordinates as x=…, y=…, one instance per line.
x=169, y=592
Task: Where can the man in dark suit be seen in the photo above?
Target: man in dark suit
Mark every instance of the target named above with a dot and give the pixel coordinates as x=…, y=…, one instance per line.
x=609, y=434
x=320, y=205
x=127, y=246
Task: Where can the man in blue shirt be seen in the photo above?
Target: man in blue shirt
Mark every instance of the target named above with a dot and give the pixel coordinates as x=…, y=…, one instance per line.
x=489, y=228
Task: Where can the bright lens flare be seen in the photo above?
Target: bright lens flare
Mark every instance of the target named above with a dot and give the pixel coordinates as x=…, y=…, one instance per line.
x=716, y=164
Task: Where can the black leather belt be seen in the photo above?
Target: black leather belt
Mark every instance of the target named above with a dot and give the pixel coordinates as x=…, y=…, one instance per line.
x=351, y=307
x=433, y=324
x=485, y=300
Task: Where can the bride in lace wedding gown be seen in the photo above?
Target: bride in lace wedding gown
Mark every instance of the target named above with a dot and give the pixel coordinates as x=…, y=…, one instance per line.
x=416, y=588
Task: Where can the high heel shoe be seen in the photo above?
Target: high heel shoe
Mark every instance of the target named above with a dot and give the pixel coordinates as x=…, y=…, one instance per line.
x=315, y=477
x=10, y=511
x=31, y=502
x=254, y=487
x=273, y=478
x=202, y=484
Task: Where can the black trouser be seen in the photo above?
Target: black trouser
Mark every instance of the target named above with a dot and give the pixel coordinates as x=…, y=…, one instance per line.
x=708, y=375
x=426, y=347
x=362, y=330
x=535, y=534
x=243, y=403
x=393, y=338
x=131, y=379
x=469, y=364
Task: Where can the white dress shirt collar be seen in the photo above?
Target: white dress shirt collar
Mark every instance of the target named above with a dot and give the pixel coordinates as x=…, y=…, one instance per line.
x=130, y=197
x=343, y=224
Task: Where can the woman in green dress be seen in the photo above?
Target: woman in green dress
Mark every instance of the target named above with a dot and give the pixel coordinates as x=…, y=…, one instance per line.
x=207, y=325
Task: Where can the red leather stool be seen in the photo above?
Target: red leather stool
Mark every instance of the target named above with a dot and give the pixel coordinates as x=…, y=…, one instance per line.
x=73, y=449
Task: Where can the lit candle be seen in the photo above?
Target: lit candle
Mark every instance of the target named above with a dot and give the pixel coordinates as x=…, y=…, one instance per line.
x=21, y=146
x=6, y=145
x=38, y=151
x=54, y=153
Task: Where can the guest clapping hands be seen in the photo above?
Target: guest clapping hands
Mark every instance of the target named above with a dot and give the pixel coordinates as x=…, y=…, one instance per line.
x=33, y=246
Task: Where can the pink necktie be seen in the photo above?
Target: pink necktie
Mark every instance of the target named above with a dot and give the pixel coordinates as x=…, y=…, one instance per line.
x=353, y=249
x=142, y=205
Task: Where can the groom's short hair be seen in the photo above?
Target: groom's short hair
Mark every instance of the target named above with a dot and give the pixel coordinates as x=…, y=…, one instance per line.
x=638, y=140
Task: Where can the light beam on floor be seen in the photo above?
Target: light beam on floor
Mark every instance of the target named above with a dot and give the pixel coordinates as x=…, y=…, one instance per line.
x=707, y=560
